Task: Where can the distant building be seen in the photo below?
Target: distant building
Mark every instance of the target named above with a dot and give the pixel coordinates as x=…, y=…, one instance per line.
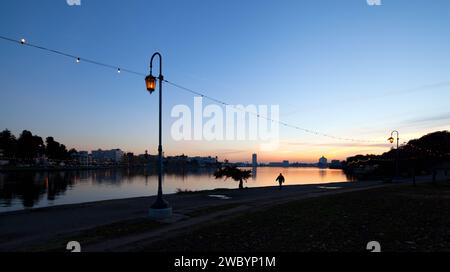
x=335, y=164
x=323, y=162
x=275, y=164
x=104, y=156
x=279, y=164
x=303, y=164
x=82, y=157
x=254, y=160
x=205, y=161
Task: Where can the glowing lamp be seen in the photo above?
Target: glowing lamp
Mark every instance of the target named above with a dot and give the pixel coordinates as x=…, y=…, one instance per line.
x=391, y=140
x=150, y=81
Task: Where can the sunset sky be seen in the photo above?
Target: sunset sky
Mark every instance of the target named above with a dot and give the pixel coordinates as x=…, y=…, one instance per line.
x=339, y=67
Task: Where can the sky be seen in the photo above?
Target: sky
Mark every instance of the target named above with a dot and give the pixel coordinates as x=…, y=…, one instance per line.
x=343, y=68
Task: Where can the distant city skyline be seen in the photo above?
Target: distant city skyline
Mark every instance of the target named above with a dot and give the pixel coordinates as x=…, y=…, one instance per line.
x=343, y=68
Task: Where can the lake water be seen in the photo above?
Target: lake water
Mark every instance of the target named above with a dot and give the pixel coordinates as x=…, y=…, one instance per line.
x=24, y=190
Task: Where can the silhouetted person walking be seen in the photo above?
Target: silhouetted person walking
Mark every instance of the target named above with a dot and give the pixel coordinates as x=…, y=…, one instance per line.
x=280, y=180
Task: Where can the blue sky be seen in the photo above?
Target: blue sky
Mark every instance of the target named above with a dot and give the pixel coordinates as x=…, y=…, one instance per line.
x=340, y=67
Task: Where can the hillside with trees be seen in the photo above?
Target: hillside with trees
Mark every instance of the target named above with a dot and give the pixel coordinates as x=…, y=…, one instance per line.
x=417, y=157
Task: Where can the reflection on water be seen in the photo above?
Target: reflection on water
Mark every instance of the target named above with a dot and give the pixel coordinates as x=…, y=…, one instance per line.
x=22, y=190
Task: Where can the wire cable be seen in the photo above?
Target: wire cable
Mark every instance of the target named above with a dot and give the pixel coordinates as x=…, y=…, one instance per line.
x=120, y=69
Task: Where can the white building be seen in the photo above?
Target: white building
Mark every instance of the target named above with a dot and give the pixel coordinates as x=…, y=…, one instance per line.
x=113, y=155
x=323, y=162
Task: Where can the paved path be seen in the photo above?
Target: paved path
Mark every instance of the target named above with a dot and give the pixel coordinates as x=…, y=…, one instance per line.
x=33, y=227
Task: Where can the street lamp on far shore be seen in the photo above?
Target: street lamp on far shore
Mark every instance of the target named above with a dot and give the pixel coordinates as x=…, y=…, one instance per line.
x=161, y=208
x=392, y=140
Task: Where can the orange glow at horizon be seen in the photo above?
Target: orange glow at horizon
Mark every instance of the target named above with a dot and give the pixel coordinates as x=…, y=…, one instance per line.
x=236, y=151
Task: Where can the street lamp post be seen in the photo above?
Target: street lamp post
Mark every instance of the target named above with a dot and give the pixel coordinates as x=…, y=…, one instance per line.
x=161, y=208
x=391, y=140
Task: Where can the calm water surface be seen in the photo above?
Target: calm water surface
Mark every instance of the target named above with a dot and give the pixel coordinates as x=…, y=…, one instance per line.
x=24, y=190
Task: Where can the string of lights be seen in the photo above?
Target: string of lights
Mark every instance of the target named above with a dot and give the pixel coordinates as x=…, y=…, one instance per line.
x=120, y=69
x=77, y=59
x=267, y=118
x=377, y=160
x=371, y=160
x=429, y=151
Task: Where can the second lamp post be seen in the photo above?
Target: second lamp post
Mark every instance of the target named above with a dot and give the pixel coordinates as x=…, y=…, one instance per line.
x=161, y=208
x=392, y=139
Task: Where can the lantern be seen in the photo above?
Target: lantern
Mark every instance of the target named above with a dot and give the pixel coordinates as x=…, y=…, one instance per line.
x=391, y=140
x=150, y=81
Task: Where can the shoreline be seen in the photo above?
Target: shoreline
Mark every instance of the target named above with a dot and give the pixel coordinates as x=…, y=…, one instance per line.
x=170, y=195
x=187, y=193
x=8, y=169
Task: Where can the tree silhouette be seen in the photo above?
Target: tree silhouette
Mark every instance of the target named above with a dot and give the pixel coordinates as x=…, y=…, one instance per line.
x=8, y=144
x=55, y=150
x=234, y=173
x=29, y=146
x=51, y=150
x=72, y=151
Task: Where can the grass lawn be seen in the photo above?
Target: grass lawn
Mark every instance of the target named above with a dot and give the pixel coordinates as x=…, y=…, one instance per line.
x=117, y=230
x=98, y=234
x=401, y=218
